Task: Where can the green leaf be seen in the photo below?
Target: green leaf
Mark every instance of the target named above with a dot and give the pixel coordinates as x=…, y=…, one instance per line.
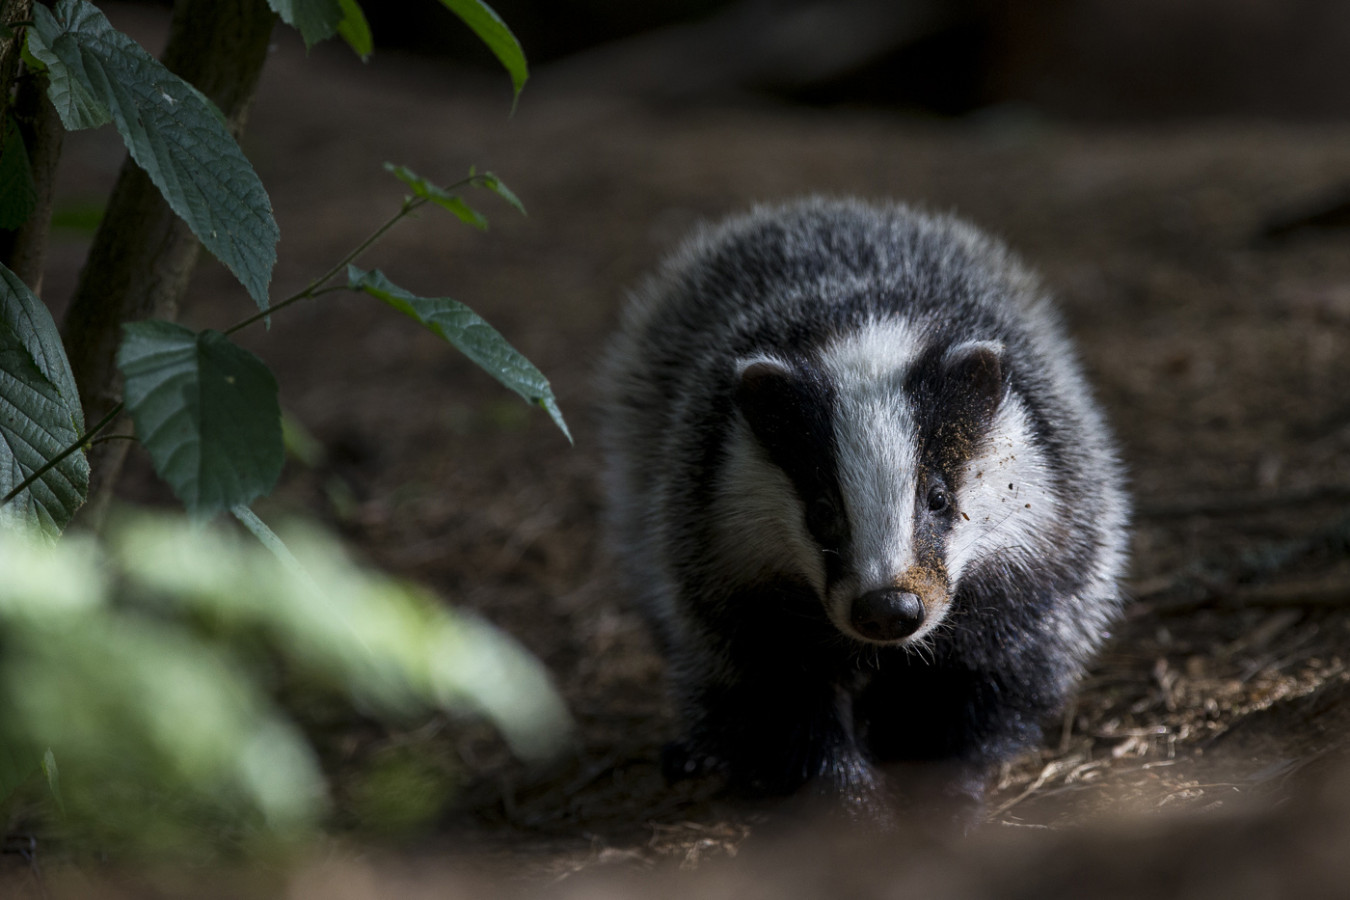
x=355, y=30
x=439, y=196
x=53, y=778
x=207, y=412
x=428, y=190
x=18, y=190
x=492, y=31
x=97, y=74
x=316, y=20
x=494, y=184
x=72, y=89
x=39, y=414
x=126, y=655
x=463, y=211
x=158, y=729
x=157, y=724
x=391, y=645
x=474, y=337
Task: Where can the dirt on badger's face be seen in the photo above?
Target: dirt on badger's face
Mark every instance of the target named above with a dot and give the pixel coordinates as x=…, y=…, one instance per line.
x=861, y=490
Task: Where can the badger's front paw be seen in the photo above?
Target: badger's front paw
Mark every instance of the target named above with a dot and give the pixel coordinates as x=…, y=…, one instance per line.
x=855, y=790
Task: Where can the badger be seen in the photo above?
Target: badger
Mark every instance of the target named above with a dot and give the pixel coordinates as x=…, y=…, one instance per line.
x=859, y=486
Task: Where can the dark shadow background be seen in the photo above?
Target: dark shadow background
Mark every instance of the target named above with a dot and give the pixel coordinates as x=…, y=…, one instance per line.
x=1083, y=60
x=1175, y=169
x=1092, y=60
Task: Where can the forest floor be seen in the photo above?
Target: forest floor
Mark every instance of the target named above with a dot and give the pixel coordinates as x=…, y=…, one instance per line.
x=1221, y=356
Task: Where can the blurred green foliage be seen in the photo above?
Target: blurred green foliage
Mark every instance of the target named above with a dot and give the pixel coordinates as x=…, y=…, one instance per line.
x=141, y=664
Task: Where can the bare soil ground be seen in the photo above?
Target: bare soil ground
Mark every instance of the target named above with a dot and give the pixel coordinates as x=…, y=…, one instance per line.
x=1222, y=360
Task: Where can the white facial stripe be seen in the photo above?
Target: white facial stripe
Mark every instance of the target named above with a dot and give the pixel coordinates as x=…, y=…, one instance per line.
x=877, y=462
x=1005, y=504
x=877, y=350
x=877, y=454
x=759, y=517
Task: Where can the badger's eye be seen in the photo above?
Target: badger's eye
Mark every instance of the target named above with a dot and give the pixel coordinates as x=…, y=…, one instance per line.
x=822, y=520
x=938, y=500
x=820, y=512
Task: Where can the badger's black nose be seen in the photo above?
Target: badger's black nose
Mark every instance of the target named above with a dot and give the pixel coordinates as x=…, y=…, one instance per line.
x=888, y=614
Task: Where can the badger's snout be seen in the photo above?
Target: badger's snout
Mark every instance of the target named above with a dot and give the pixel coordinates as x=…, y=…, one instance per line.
x=888, y=614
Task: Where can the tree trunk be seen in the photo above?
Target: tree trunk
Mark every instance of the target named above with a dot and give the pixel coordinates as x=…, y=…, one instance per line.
x=143, y=254
x=24, y=250
x=17, y=11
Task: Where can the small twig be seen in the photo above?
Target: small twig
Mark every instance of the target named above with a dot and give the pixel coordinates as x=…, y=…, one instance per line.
x=113, y=437
x=311, y=290
x=316, y=287
x=1051, y=769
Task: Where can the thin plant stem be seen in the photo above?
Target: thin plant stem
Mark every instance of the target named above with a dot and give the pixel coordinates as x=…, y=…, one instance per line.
x=113, y=437
x=314, y=289
x=311, y=290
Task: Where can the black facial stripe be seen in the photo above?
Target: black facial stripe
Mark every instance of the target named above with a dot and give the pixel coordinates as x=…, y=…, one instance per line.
x=791, y=413
x=954, y=407
x=955, y=395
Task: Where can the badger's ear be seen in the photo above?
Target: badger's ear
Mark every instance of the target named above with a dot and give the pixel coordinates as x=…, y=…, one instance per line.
x=973, y=377
x=760, y=375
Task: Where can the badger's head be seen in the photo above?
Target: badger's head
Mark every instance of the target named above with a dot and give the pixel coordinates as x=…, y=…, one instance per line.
x=878, y=468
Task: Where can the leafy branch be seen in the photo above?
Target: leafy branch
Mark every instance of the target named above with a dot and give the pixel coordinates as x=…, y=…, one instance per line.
x=143, y=254
x=161, y=360
x=410, y=204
